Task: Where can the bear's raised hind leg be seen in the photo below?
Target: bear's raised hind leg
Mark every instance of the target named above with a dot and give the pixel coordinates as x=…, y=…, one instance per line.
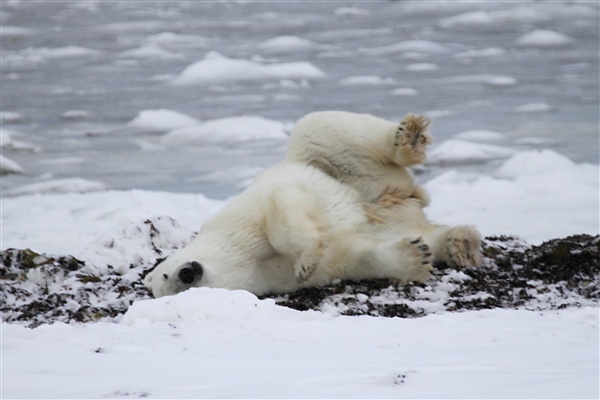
x=410, y=140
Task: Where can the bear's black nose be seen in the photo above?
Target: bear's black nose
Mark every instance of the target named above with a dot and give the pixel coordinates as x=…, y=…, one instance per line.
x=190, y=272
x=186, y=275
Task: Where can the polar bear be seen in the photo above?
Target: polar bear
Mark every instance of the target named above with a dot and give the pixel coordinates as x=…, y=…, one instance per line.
x=294, y=226
x=342, y=205
x=373, y=156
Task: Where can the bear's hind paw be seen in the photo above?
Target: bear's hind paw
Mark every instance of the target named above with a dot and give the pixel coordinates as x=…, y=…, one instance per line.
x=411, y=139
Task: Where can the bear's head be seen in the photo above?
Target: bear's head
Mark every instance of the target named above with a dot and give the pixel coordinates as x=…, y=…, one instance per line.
x=169, y=278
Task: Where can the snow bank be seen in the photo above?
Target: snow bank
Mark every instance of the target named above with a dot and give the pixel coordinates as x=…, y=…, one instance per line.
x=212, y=304
x=161, y=120
x=218, y=69
x=53, y=186
x=226, y=131
x=457, y=151
x=493, y=353
x=543, y=39
x=537, y=195
x=70, y=223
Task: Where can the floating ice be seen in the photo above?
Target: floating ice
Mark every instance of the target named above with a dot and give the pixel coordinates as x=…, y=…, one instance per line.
x=485, y=19
x=457, y=151
x=501, y=81
x=351, y=12
x=161, y=120
x=543, y=39
x=217, y=69
x=418, y=46
x=366, y=80
x=288, y=44
x=405, y=92
x=483, y=136
x=492, y=80
x=418, y=67
x=13, y=32
x=482, y=53
x=11, y=117
x=54, y=186
x=170, y=38
x=7, y=141
x=533, y=107
x=150, y=51
x=8, y=166
x=227, y=131
x=74, y=115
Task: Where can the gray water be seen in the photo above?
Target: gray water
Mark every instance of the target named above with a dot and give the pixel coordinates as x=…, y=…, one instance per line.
x=113, y=88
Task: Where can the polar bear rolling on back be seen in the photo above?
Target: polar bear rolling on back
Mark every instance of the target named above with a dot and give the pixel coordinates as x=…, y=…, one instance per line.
x=342, y=205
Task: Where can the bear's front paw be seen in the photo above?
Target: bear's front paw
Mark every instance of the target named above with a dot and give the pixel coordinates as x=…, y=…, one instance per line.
x=463, y=247
x=411, y=139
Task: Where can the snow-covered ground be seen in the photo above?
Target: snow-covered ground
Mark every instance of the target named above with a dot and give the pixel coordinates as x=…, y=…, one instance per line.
x=120, y=113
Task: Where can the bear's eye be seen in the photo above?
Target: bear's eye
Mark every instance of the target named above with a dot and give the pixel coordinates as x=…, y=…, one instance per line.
x=165, y=276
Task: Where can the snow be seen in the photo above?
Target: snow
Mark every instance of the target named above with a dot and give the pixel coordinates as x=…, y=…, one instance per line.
x=257, y=350
x=226, y=131
x=218, y=69
x=161, y=120
x=542, y=38
x=555, y=196
x=485, y=19
x=152, y=51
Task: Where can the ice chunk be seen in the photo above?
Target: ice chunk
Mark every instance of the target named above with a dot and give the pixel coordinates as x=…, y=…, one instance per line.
x=542, y=38
x=76, y=115
x=418, y=46
x=366, y=80
x=456, y=151
x=161, y=120
x=284, y=44
x=533, y=107
x=405, y=92
x=228, y=131
x=218, y=69
x=11, y=117
x=483, y=136
x=8, y=166
x=418, y=67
